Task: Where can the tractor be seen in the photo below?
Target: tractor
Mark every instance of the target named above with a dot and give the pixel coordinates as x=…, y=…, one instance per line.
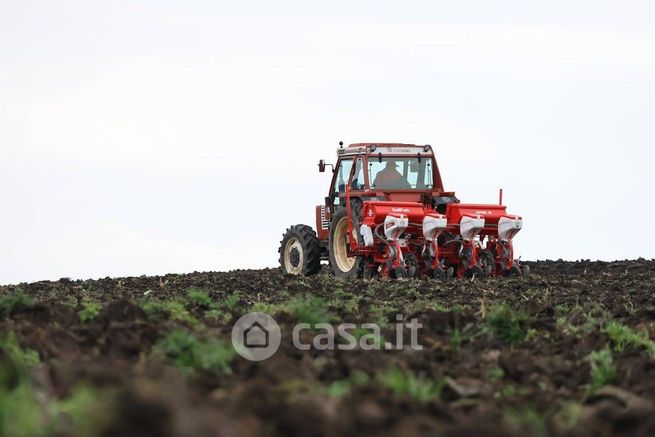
x=387, y=215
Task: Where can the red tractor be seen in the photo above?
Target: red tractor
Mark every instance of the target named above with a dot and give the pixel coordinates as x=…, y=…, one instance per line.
x=387, y=215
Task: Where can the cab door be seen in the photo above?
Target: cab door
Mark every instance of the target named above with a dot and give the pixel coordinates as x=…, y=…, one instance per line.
x=342, y=179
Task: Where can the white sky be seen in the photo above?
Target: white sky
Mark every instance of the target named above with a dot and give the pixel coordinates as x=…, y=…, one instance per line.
x=172, y=136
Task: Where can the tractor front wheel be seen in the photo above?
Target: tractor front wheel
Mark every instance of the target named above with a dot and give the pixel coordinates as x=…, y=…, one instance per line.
x=300, y=251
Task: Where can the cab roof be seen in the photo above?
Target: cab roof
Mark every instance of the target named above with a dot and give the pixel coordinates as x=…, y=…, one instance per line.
x=385, y=149
x=385, y=145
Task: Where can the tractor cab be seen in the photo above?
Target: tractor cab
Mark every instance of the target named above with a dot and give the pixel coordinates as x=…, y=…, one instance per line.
x=402, y=172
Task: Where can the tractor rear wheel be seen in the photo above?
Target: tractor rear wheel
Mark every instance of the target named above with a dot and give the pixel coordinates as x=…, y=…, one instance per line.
x=300, y=251
x=342, y=264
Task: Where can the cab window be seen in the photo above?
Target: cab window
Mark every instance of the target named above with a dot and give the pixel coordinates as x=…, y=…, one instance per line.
x=343, y=172
x=358, y=183
x=400, y=173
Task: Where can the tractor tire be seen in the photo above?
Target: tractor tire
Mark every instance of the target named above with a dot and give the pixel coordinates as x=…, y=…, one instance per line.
x=437, y=274
x=399, y=273
x=300, y=251
x=475, y=272
x=412, y=265
x=408, y=271
x=513, y=271
x=366, y=271
x=487, y=262
x=343, y=266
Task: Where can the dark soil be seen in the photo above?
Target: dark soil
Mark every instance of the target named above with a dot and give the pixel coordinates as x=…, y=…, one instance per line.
x=539, y=383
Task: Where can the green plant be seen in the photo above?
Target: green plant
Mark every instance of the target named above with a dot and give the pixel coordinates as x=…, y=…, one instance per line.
x=189, y=353
x=89, y=310
x=505, y=324
x=527, y=417
x=199, y=298
x=24, y=411
x=219, y=310
x=359, y=332
x=19, y=409
x=347, y=301
x=623, y=336
x=231, y=301
x=152, y=307
x=22, y=358
x=13, y=300
x=218, y=315
x=495, y=373
x=412, y=291
x=343, y=387
x=440, y=307
x=267, y=308
x=562, y=310
x=70, y=302
x=406, y=383
x=174, y=309
x=531, y=334
x=457, y=337
x=377, y=313
x=21, y=414
x=84, y=412
x=508, y=391
x=339, y=388
x=602, y=369
x=309, y=309
x=178, y=312
x=592, y=319
x=567, y=417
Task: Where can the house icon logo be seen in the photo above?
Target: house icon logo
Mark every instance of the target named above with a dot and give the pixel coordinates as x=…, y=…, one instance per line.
x=256, y=336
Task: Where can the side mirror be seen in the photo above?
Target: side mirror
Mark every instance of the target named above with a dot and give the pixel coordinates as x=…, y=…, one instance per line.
x=321, y=166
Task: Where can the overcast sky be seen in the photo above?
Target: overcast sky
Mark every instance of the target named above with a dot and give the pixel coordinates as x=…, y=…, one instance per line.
x=171, y=136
